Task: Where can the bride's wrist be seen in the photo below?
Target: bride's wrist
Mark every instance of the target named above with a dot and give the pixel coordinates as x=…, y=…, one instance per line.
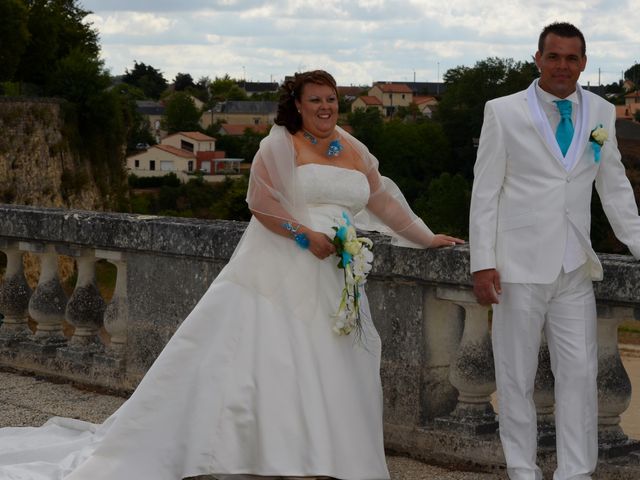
x=297, y=233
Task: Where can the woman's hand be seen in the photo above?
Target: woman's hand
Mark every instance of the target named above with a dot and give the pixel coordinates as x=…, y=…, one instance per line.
x=319, y=244
x=441, y=240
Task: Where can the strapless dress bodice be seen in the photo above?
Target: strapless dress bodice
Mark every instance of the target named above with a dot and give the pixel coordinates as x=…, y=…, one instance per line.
x=329, y=191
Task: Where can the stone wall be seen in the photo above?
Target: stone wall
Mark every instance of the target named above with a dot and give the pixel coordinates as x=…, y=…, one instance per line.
x=437, y=368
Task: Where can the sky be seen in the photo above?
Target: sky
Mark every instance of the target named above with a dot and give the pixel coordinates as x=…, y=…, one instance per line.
x=358, y=41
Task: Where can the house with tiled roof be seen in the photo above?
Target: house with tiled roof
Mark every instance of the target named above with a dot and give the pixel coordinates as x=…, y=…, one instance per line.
x=184, y=154
x=241, y=112
x=422, y=88
x=350, y=93
x=253, y=88
x=154, y=113
x=237, y=130
x=392, y=96
x=366, y=102
x=631, y=106
x=427, y=104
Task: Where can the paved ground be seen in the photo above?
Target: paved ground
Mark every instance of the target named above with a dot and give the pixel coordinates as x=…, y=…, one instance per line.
x=30, y=401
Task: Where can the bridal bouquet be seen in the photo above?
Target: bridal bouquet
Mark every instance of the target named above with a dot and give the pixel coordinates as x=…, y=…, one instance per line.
x=355, y=260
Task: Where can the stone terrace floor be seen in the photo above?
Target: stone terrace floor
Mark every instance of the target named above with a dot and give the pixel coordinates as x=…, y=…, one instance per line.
x=30, y=401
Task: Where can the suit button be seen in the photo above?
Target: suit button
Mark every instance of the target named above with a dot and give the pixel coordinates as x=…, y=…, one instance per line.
x=566, y=210
x=568, y=179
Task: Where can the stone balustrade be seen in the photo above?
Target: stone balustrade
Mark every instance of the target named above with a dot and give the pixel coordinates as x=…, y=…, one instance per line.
x=437, y=365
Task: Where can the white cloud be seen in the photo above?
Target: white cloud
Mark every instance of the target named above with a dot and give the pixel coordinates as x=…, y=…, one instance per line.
x=131, y=23
x=359, y=41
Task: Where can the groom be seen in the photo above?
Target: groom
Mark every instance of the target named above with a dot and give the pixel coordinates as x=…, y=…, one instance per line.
x=540, y=152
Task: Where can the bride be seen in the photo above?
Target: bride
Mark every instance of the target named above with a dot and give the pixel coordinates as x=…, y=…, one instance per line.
x=256, y=382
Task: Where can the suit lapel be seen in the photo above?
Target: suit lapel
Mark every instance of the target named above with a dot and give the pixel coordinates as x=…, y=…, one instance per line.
x=581, y=134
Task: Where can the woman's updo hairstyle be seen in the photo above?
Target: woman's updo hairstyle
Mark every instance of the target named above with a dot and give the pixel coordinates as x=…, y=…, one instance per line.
x=291, y=90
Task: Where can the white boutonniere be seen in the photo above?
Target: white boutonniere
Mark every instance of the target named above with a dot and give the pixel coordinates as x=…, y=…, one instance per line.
x=597, y=138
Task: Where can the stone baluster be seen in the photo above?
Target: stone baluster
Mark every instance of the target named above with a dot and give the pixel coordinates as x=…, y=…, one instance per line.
x=85, y=310
x=48, y=302
x=116, y=313
x=543, y=397
x=14, y=298
x=614, y=387
x=472, y=371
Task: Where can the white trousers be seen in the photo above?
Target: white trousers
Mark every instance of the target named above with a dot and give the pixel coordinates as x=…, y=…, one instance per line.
x=566, y=311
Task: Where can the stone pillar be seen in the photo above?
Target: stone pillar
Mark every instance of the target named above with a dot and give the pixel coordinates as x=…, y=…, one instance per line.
x=543, y=396
x=614, y=387
x=472, y=371
x=85, y=311
x=14, y=298
x=48, y=302
x=116, y=314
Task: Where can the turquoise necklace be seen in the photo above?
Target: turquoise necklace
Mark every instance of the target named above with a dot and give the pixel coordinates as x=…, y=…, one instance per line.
x=334, y=149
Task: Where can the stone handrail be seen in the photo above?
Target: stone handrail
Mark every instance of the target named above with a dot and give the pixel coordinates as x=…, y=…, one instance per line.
x=437, y=365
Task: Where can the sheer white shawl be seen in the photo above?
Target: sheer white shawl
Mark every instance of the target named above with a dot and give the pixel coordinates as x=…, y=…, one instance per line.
x=275, y=191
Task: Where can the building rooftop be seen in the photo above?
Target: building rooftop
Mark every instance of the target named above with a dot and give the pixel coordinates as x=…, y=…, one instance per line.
x=393, y=87
x=197, y=136
x=370, y=100
x=149, y=107
x=239, y=129
x=175, y=151
x=247, y=107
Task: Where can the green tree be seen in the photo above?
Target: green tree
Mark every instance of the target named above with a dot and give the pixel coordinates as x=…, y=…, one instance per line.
x=183, y=81
x=409, y=113
x=230, y=203
x=14, y=36
x=200, y=90
x=148, y=79
x=461, y=109
x=181, y=114
x=614, y=87
x=412, y=154
x=226, y=88
x=78, y=77
x=139, y=130
x=250, y=144
x=445, y=205
x=367, y=125
x=633, y=74
x=243, y=146
x=56, y=28
x=267, y=97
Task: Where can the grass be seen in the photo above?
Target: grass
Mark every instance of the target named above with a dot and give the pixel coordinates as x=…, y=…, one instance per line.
x=629, y=332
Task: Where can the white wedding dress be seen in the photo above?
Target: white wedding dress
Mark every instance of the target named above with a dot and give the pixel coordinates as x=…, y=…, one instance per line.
x=253, y=382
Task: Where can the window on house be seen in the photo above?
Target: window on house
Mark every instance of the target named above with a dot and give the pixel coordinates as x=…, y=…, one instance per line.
x=152, y=164
x=167, y=166
x=403, y=96
x=136, y=163
x=188, y=146
x=190, y=166
x=391, y=96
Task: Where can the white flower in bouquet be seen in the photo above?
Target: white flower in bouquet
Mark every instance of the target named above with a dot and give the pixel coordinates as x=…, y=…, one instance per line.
x=355, y=260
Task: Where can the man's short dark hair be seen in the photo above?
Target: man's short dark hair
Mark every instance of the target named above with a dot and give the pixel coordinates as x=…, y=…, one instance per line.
x=562, y=29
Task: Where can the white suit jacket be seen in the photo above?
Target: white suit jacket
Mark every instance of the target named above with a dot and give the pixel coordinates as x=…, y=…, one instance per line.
x=524, y=200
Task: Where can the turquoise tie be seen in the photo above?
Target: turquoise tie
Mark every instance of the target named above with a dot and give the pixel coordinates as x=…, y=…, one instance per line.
x=564, y=132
